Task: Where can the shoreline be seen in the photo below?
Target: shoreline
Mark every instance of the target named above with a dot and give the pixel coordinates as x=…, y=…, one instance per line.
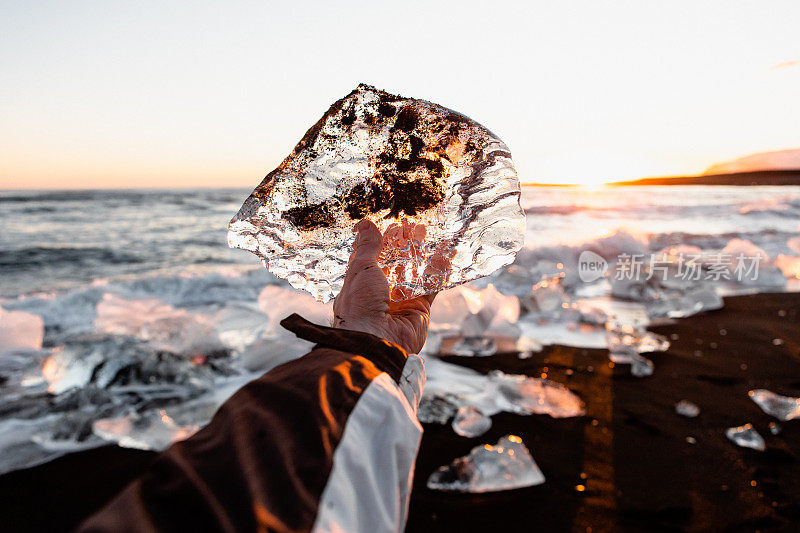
x=640, y=472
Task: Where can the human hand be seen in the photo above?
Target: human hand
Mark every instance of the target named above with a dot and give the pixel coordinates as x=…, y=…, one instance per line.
x=363, y=304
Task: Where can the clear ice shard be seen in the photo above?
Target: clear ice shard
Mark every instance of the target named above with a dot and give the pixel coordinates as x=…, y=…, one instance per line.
x=781, y=407
x=747, y=437
x=625, y=343
x=436, y=409
x=471, y=422
x=504, y=466
x=626, y=340
x=475, y=347
x=452, y=386
x=525, y=395
x=687, y=409
x=143, y=432
x=441, y=188
x=641, y=367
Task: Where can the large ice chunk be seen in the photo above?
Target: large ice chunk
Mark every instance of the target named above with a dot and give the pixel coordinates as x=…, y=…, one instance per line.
x=441, y=188
x=781, y=407
x=504, y=466
x=497, y=392
x=164, y=327
x=525, y=395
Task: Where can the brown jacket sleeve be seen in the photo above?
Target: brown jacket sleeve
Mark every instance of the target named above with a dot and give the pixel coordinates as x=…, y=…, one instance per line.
x=262, y=462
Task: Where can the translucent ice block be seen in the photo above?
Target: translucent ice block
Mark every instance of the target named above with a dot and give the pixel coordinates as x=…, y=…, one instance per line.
x=504, y=466
x=687, y=409
x=781, y=407
x=471, y=422
x=441, y=188
x=747, y=437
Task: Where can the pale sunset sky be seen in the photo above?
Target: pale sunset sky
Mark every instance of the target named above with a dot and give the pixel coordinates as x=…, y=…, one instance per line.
x=108, y=94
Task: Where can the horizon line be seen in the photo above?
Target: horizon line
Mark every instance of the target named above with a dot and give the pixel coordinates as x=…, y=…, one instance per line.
x=522, y=183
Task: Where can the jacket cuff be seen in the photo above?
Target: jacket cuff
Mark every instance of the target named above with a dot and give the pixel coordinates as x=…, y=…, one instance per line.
x=355, y=342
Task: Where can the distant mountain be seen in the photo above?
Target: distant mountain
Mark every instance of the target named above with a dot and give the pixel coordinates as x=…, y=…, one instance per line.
x=779, y=160
x=758, y=177
x=781, y=167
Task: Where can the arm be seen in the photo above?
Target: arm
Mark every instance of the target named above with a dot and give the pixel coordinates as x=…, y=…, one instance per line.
x=323, y=443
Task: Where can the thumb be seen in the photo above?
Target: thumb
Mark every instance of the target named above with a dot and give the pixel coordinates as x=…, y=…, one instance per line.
x=364, y=282
x=367, y=247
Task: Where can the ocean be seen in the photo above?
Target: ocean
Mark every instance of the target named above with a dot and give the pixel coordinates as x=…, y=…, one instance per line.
x=125, y=317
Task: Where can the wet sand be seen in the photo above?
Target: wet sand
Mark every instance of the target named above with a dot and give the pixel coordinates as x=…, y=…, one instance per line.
x=629, y=454
x=641, y=474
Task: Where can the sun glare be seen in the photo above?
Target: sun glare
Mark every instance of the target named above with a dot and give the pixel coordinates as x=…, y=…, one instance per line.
x=592, y=169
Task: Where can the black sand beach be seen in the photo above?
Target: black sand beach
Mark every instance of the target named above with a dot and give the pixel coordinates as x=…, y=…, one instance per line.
x=629, y=455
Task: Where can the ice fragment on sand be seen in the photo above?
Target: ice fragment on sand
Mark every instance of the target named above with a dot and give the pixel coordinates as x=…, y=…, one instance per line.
x=490, y=312
x=163, y=326
x=569, y=333
x=691, y=302
x=526, y=346
x=626, y=340
x=625, y=343
x=687, y=409
x=125, y=362
x=547, y=297
x=504, y=466
x=781, y=407
x=746, y=437
x=774, y=428
x=436, y=409
x=441, y=188
x=448, y=311
x=471, y=422
x=475, y=347
x=498, y=392
x=157, y=428
x=143, y=432
x=525, y=395
x=477, y=317
x=642, y=367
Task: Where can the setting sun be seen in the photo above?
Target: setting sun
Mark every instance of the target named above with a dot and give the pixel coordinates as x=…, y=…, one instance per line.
x=590, y=167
